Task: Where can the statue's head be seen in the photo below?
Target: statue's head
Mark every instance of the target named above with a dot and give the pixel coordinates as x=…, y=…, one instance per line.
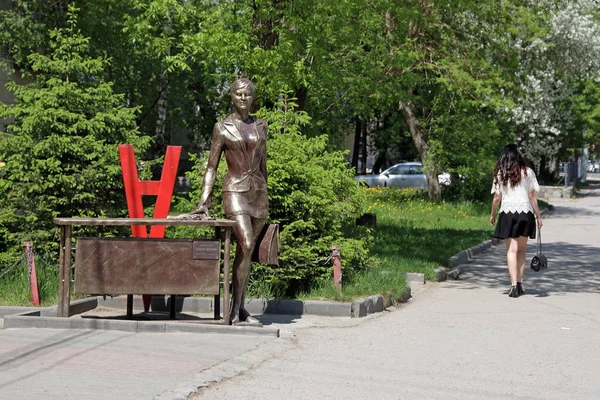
x=242, y=95
x=242, y=83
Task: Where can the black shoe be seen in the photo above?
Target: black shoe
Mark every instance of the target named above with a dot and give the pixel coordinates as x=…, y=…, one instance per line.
x=520, y=288
x=513, y=292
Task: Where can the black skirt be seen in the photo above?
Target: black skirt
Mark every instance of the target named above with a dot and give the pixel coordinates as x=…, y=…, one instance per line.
x=514, y=225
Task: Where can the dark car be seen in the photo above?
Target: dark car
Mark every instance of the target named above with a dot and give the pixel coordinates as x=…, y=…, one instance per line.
x=403, y=175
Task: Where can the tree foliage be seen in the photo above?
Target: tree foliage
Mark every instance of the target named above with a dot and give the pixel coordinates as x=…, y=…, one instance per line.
x=447, y=82
x=60, y=152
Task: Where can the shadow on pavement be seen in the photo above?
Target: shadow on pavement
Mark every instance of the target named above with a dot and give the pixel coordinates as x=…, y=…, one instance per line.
x=265, y=319
x=152, y=316
x=572, y=268
x=567, y=211
x=270, y=319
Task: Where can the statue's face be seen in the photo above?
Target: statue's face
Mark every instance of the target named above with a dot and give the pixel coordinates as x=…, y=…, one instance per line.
x=242, y=98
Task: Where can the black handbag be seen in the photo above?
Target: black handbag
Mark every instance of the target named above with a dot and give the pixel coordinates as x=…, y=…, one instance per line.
x=539, y=262
x=266, y=250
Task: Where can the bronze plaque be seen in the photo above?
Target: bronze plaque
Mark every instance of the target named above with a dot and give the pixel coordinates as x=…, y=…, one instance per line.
x=144, y=266
x=206, y=250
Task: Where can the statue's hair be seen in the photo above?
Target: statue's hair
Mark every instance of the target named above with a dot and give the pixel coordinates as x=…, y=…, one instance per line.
x=509, y=166
x=242, y=83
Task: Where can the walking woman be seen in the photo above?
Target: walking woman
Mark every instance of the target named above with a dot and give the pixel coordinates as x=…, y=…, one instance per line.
x=514, y=187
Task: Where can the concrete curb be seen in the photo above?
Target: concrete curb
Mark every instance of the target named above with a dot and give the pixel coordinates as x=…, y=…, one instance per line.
x=415, y=277
x=254, y=306
x=374, y=304
x=32, y=320
x=467, y=255
x=357, y=308
x=363, y=307
x=440, y=274
x=30, y=317
x=8, y=310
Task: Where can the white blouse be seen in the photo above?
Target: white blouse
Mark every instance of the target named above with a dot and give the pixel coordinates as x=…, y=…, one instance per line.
x=516, y=199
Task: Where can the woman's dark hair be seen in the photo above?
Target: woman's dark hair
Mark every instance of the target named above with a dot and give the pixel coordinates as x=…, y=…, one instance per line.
x=509, y=166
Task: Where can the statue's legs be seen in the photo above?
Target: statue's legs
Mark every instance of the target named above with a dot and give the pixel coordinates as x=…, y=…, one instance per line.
x=246, y=232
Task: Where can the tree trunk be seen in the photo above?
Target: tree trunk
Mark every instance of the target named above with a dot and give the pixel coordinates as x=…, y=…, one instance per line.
x=356, y=147
x=301, y=98
x=420, y=141
x=161, y=106
x=161, y=117
x=379, y=162
x=363, y=129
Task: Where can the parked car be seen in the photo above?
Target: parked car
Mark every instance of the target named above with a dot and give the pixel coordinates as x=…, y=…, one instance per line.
x=402, y=175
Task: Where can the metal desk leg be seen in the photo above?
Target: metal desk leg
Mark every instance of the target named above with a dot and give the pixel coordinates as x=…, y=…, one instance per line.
x=217, y=306
x=217, y=297
x=64, y=272
x=226, y=281
x=129, y=306
x=61, y=268
x=173, y=311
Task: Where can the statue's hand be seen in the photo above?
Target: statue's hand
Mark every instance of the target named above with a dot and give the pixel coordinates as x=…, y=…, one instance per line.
x=200, y=213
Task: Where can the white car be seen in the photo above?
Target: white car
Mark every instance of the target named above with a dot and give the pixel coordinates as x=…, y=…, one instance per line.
x=402, y=175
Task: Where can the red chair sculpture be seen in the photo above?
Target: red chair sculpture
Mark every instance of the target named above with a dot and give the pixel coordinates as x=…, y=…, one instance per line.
x=136, y=188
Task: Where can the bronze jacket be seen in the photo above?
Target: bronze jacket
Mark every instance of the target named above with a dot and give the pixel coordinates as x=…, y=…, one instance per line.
x=246, y=160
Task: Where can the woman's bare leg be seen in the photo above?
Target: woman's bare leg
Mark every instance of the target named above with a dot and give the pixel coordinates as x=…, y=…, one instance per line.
x=512, y=247
x=521, y=254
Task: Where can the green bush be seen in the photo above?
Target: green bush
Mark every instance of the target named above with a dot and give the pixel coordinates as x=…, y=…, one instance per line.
x=314, y=198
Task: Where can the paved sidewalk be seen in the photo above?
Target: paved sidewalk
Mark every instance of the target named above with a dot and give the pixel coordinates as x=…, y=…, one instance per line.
x=462, y=339
x=454, y=340
x=83, y=364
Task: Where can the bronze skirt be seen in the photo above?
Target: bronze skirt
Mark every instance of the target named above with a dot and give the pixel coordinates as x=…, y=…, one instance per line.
x=254, y=203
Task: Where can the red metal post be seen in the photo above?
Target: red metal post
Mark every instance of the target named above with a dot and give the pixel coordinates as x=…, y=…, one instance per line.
x=337, y=267
x=31, y=274
x=135, y=189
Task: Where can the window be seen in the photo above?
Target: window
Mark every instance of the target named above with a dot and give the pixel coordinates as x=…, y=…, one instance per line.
x=416, y=169
x=400, y=170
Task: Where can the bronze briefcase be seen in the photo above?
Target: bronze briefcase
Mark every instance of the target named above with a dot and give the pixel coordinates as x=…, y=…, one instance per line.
x=266, y=250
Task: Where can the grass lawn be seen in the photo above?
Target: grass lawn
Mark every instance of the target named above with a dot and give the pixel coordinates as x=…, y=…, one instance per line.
x=412, y=235
x=14, y=286
x=416, y=235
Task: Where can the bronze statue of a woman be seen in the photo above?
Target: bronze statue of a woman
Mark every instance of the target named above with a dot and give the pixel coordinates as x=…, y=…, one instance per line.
x=243, y=140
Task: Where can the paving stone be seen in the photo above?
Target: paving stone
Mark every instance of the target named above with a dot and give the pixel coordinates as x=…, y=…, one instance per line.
x=415, y=277
x=440, y=274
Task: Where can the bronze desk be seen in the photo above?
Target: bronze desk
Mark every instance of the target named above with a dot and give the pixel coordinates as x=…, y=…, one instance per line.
x=64, y=281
